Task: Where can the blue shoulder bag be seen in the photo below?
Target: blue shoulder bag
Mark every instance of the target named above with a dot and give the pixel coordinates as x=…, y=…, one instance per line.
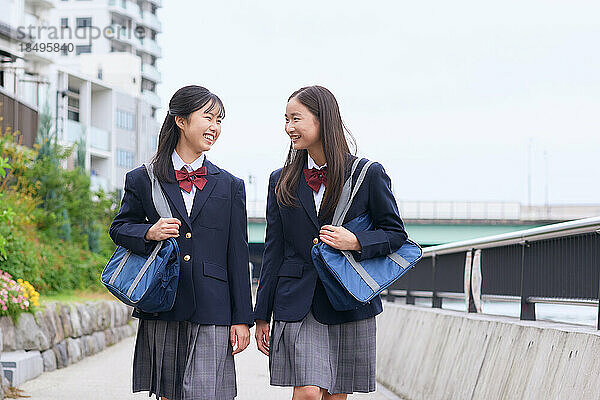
x=148, y=283
x=348, y=282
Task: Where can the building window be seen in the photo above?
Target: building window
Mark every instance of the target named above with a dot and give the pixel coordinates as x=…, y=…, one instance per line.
x=125, y=120
x=83, y=49
x=73, y=107
x=64, y=22
x=148, y=85
x=125, y=158
x=84, y=22
x=2, y=78
x=153, y=112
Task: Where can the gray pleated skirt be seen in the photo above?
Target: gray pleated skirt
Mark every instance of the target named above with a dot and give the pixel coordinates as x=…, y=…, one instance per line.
x=339, y=358
x=184, y=361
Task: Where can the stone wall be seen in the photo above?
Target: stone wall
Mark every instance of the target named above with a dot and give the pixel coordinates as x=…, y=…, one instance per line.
x=425, y=353
x=63, y=334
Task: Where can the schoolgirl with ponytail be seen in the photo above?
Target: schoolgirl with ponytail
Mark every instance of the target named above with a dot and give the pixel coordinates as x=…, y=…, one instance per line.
x=187, y=352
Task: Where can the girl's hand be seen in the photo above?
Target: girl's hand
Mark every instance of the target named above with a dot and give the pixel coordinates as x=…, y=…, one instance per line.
x=163, y=229
x=262, y=336
x=339, y=238
x=240, y=335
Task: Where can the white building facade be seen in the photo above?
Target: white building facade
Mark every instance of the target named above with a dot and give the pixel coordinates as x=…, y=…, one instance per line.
x=100, y=89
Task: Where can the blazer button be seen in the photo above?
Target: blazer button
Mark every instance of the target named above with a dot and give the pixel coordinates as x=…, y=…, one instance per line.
x=188, y=235
x=186, y=257
x=315, y=241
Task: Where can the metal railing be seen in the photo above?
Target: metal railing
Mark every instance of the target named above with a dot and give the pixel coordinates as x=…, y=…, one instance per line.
x=553, y=264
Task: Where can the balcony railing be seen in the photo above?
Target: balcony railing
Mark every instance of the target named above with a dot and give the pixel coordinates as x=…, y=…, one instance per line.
x=152, y=21
x=121, y=34
x=74, y=131
x=150, y=72
x=151, y=98
x=125, y=7
x=99, y=139
x=555, y=264
x=150, y=46
x=98, y=182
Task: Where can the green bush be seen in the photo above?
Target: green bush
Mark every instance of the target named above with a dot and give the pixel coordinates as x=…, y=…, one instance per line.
x=53, y=228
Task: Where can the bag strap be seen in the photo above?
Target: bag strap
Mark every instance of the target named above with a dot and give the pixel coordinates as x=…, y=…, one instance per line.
x=348, y=192
x=344, y=196
x=158, y=196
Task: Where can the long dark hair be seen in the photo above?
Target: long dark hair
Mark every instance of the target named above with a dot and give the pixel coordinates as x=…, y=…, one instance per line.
x=184, y=102
x=334, y=134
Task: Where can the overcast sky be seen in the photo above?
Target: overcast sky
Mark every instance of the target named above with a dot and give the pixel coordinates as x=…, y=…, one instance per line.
x=448, y=96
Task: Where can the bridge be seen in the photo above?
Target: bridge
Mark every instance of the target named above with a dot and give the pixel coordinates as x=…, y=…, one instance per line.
x=432, y=223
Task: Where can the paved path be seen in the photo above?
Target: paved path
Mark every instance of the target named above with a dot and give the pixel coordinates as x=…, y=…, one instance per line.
x=107, y=375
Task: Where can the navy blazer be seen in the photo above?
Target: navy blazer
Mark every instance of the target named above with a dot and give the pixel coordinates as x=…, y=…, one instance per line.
x=289, y=285
x=214, y=284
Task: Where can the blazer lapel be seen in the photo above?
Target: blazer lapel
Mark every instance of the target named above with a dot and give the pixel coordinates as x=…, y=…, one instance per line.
x=305, y=195
x=173, y=192
x=212, y=175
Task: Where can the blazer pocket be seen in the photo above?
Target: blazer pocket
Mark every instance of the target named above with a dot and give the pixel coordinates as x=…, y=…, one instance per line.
x=291, y=270
x=215, y=271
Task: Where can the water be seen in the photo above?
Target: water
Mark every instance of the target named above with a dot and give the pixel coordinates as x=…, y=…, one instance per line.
x=577, y=315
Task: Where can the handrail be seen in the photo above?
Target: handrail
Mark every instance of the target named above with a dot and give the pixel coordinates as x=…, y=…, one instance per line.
x=575, y=227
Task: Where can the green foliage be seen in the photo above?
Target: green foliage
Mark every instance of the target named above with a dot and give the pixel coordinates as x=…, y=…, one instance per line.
x=51, y=265
x=53, y=228
x=6, y=218
x=4, y=165
x=81, y=153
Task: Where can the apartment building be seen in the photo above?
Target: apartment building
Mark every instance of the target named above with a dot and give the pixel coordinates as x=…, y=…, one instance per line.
x=101, y=91
x=23, y=75
x=113, y=26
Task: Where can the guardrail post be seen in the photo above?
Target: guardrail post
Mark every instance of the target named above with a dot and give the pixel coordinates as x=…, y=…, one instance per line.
x=472, y=307
x=409, y=299
x=527, y=308
x=389, y=297
x=597, y=262
x=470, y=302
x=436, y=302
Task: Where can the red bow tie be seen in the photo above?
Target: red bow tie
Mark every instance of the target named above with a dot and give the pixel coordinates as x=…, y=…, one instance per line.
x=187, y=179
x=316, y=177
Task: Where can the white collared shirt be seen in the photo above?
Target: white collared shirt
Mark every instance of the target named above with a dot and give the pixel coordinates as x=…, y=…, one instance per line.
x=317, y=196
x=178, y=163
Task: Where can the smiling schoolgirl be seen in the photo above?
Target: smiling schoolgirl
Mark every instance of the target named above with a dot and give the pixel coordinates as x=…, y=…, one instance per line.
x=187, y=352
x=321, y=352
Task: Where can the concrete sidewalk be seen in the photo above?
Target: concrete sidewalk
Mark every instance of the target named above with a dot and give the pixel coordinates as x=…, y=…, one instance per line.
x=107, y=375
